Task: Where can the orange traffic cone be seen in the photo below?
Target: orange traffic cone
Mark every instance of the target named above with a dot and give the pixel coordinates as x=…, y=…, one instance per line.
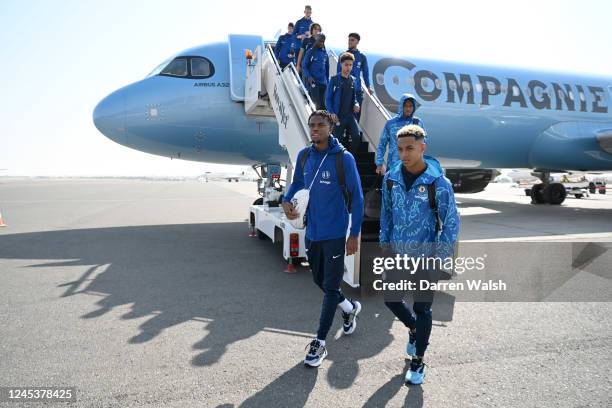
x=2, y=224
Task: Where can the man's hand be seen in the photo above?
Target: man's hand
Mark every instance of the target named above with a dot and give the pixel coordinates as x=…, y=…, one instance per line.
x=290, y=211
x=352, y=245
x=356, y=108
x=380, y=170
x=335, y=118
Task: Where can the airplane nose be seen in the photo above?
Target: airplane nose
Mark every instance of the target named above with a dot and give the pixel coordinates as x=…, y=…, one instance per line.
x=109, y=117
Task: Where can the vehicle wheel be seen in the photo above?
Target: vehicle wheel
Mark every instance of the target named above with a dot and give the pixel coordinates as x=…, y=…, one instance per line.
x=556, y=193
x=602, y=191
x=537, y=194
x=259, y=201
x=592, y=188
x=261, y=235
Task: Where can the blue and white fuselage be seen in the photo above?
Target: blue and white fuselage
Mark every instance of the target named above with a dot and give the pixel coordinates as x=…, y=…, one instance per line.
x=477, y=116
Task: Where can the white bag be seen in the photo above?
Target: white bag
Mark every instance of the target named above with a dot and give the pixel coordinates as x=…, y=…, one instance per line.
x=300, y=201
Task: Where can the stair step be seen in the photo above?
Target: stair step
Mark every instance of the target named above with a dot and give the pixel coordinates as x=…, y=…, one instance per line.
x=363, y=147
x=365, y=157
x=368, y=181
x=366, y=167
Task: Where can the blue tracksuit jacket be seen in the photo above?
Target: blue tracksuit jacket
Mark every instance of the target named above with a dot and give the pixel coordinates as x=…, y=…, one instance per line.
x=388, y=137
x=407, y=221
x=327, y=216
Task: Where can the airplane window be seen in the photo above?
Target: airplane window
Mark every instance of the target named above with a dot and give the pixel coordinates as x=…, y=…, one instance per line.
x=452, y=85
x=466, y=86
x=491, y=87
x=478, y=88
x=515, y=90
x=380, y=79
x=504, y=89
x=410, y=81
x=438, y=83
x=395, y=79
x=424, y=83
x=201, y=67
x=178, y=67
x=582, y=97
x=571, y=95
x=158, y=69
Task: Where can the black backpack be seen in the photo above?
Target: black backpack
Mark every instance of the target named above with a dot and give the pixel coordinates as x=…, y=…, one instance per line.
x=431, y=195
x=339, y=174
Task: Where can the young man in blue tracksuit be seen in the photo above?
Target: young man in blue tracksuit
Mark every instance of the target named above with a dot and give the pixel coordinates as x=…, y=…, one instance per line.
x=341, y=102
x=410, y=226
x=315, y=67
x=307, y=43
x=388, y=137
x=360, y=68
x=327, y=223
x=286, y=47
x=302, y=26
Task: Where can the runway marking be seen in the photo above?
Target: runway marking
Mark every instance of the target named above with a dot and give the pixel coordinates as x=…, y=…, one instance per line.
x=477, y=211
x=604, y=236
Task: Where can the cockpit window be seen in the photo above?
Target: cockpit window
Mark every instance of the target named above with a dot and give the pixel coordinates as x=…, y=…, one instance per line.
x=178, y=67
x=187, y=67
x=201, y=67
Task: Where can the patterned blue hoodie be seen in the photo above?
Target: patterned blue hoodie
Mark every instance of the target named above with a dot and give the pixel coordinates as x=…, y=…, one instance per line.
x=389, y=133
x=407, y=221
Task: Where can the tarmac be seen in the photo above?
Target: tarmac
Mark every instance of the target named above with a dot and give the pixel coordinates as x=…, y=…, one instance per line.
x=150, y=293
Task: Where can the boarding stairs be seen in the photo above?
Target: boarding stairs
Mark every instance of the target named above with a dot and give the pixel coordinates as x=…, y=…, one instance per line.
x=272, y=91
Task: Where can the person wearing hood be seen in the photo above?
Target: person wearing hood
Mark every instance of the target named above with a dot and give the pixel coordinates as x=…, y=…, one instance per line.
x=286, y=46
x=405, y=116
x=315, y=68
x=419, y=219
x=327, y=223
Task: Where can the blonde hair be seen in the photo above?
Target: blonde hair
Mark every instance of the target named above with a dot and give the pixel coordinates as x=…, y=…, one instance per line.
x=411, y=131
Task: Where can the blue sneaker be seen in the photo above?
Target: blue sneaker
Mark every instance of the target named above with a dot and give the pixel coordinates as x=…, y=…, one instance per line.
x=350, y=322
x=316, y=353
x=416, y=374
x=411, y=345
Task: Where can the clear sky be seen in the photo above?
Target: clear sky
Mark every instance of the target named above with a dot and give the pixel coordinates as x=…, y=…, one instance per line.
x=59, y=58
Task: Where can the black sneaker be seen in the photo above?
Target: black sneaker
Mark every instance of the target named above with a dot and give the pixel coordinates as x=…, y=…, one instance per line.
x=416, y=374
x=316, y=353
x=350, y=321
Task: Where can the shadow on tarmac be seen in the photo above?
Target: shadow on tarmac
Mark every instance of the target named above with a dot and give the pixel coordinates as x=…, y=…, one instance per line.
x=216, y=274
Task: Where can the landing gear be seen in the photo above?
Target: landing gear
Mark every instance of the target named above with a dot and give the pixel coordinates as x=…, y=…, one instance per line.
x=545, y=192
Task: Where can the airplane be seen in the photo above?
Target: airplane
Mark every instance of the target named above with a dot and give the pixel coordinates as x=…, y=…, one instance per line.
x=229, y=177
x=479, y=118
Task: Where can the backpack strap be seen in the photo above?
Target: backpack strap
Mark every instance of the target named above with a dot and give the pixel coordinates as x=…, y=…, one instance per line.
x=433, y=204
x=342, y=180
x=303, y=161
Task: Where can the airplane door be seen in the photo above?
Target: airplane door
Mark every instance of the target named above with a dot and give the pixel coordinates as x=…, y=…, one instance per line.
x=238, y=44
